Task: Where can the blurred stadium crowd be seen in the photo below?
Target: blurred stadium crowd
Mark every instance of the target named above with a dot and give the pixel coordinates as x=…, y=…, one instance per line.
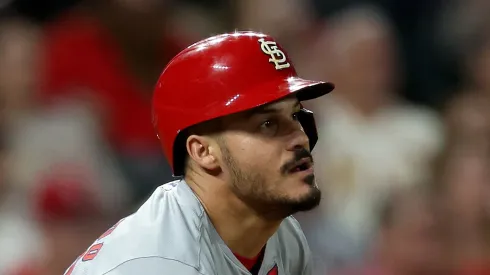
x=404, y=152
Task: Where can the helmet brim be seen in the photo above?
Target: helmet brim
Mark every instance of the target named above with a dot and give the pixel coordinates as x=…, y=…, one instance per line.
x=271, y=92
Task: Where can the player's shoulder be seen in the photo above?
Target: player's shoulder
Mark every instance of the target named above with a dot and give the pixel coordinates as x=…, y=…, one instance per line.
x=153, y=266
x=291, y=235
x=291, y=241
x=167, y=226
x=290, y=228
x=148, y=266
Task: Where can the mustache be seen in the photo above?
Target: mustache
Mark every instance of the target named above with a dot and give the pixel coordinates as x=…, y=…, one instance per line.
x=298, y=155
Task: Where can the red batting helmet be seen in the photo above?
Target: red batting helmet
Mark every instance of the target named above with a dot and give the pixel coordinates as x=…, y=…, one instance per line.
x=222, y=75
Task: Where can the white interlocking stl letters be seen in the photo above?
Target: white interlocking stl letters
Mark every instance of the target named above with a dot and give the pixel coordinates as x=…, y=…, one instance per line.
x=277, y=56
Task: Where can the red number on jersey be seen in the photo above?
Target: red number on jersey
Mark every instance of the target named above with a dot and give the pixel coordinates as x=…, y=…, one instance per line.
x=92, y=252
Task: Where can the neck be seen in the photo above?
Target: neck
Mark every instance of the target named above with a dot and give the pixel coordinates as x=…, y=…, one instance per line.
x=241, y=228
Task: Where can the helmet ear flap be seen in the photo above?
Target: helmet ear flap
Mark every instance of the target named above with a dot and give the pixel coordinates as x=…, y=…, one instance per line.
x=180, y=153
x=307, y=120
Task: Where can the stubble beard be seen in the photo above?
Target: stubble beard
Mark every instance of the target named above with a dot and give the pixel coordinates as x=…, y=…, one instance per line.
x=250, y=187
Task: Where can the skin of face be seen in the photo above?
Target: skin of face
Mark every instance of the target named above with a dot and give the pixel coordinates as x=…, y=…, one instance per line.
x=259, y=151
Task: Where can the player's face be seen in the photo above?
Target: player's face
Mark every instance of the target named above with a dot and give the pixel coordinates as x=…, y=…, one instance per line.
x=267, y=158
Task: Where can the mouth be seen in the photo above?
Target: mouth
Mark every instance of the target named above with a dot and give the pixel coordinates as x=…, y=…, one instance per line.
x=304, y=165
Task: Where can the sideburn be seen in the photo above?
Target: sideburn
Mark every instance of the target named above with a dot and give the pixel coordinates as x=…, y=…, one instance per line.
x=240, y=181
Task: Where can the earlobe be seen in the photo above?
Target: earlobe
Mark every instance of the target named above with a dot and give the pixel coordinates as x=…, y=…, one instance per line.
x=209, y=161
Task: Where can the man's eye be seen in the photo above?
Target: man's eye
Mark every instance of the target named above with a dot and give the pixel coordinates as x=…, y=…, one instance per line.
x=269, y=127
x=266, y=124
x=296, y=116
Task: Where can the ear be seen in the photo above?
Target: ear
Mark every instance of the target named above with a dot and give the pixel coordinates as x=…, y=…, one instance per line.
x=202, y=151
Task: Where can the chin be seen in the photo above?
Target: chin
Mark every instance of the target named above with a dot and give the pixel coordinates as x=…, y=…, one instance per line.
x=304, y=198
x=297, y=195
x=307, y=201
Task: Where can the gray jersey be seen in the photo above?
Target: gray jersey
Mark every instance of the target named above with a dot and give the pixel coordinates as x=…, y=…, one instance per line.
x=172, y=234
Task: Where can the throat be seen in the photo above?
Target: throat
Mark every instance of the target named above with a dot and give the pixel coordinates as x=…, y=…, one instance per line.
x=244, y=235
x=244, y=239
x=242, y=229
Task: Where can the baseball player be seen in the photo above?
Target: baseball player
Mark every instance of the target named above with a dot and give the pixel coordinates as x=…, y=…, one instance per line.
x=228, y=113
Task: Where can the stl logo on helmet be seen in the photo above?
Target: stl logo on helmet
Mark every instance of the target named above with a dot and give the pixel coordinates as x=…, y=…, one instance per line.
x=277, y=56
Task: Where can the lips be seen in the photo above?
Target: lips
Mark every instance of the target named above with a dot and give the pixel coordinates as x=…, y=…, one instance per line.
x=303, y=164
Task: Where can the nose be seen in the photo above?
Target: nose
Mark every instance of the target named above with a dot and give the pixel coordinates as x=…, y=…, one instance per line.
x=298, y=140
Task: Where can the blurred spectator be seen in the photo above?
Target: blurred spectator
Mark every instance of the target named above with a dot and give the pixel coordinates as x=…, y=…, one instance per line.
x=465, y=166
x=462, y=25
x=36, y=143
x=464, y=35
x=408, y=240
x=70, y=218
x=19, y=52
x=286, y=20
x=18, y=235
x=114, y=51
x=476, y=64
x=370, y=141
x=67, y=137
x=464, y=174
x=427, y=72
x=463, y=182
x=291, y=22
x=51, y=153
x=199, y=19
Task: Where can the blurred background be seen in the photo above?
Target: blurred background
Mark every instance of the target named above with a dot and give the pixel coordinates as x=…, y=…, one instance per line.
x=404, y=153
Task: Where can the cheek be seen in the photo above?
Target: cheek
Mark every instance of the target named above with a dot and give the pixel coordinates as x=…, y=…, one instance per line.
x=260, y=156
